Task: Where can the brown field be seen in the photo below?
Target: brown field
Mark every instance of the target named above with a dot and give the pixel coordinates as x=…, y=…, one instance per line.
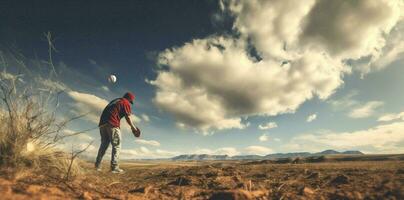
x=329, y=178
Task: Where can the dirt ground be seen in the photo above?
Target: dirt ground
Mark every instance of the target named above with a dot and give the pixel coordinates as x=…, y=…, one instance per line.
x=218, y=180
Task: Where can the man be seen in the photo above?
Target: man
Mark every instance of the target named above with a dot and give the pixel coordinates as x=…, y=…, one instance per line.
x=110, y=129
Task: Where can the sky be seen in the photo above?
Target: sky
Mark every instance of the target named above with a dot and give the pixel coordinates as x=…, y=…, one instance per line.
x=228, y=77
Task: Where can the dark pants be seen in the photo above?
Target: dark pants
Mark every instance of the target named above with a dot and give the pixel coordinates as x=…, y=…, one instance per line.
x=109, y=134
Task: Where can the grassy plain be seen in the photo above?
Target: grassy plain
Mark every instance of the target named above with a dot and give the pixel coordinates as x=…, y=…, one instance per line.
x=363, y=177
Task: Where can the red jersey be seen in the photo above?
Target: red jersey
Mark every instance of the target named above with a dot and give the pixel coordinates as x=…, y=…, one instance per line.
x=114, y=112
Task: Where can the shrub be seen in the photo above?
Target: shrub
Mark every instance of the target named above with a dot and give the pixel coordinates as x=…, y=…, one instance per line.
x=29, y=129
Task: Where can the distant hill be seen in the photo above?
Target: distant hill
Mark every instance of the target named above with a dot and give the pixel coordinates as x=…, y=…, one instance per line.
x=247, y=157
x=201, y=157
x=328, y=152
x=353, y=152
x=288, y=155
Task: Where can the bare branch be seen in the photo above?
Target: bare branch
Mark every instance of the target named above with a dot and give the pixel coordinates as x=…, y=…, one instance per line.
x=74, y=155
x=51, y=48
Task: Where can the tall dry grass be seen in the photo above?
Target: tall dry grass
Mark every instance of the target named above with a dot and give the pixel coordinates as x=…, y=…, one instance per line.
x=29, y=127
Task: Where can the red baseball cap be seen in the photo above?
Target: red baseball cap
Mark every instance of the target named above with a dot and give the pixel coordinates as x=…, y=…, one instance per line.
x=129, y=96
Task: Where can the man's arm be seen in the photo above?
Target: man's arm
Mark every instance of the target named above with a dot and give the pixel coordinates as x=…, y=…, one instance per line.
x=129, y=121
x=135, y=129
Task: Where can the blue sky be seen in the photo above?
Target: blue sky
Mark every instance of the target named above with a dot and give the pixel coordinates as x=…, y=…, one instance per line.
x=225, y=77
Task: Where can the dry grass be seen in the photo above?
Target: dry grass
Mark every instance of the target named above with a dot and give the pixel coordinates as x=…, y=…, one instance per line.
x=29, y=129
x=226, y=180
x=29, y=133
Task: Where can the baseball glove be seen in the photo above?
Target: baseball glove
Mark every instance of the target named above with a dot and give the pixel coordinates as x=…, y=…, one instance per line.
x=136, y=132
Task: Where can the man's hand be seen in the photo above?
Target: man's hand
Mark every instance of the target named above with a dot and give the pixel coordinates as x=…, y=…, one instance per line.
x=135, y=131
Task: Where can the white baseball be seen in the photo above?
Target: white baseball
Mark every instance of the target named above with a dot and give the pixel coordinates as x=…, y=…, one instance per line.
x=112, y=78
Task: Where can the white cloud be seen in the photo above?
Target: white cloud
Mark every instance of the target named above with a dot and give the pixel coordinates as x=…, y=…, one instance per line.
x=51, y=85
x=350, y=29
x=211, y=89
x=311, y=118
x=277, y=139
x=345, y=102
x=258, y=150
x=105, y=88
x=148, y=142
x=165, y=153
x=68, y=131
x=366, y=110
x=273, y=26
x=387, y=138
x=92, y=106
x=135, y=118
x=145, y=117
x=204, y=151
x=391, y=117
x=132, y=153
x=84, y=137
x=230, y=151
x=263, y=138
x=78, y=135
x=89, y=104
x=211, y=83
x=144, y=150
x=91, y=148
x=129, y=153
x=269, y=125
x=68, y=146
x=94, y=102
x=393, y=51
x=342, y=29
x=180, y=125
x=93, y=62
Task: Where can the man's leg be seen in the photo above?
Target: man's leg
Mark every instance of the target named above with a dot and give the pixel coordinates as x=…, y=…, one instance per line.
x=105, y=140
x=116, y=147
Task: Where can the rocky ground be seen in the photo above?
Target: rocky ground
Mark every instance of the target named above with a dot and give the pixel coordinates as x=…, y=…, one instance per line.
x=219, y=180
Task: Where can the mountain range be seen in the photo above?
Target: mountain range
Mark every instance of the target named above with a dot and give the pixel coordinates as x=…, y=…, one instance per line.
x=198, y=157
